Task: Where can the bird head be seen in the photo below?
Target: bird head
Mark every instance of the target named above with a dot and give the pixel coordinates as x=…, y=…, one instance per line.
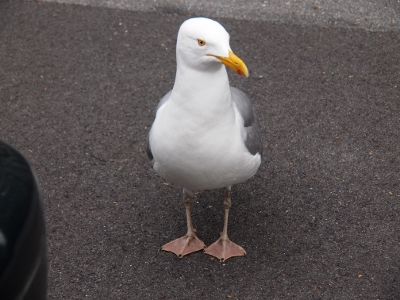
x=204, y=44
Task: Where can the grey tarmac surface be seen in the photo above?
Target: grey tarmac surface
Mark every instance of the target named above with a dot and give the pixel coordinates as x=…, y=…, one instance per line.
x=320, y=220
x=369, y=14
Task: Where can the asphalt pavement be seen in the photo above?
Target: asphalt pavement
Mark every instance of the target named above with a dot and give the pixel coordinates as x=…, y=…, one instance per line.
x=368, y=14
x=320, y=220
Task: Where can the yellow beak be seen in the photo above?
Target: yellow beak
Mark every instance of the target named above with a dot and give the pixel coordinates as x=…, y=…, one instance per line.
x=233, y=62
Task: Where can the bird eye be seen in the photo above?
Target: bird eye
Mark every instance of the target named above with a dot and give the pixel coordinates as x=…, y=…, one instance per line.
x=201, y=42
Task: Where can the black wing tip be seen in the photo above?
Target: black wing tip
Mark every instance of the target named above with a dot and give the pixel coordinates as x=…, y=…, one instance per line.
x=149, y=153
x=148, y=148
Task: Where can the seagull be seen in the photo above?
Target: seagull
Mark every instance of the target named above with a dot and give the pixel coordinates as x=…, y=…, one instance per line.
x=205, y=134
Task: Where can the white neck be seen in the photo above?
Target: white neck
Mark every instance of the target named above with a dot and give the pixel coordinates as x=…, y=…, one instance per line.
x=203, y=93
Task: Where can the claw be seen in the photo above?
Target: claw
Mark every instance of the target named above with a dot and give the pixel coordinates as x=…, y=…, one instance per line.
x=224, y=249
x=184, y=245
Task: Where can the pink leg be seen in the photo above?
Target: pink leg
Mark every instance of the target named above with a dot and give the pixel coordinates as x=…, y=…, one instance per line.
x=223, y=248
x=190, y=242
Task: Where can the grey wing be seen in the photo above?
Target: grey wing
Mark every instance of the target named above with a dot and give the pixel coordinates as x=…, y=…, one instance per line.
x=253, y=140
x=162, y=101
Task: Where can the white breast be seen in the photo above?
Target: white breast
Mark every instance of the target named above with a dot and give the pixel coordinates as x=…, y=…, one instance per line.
x=200, y=153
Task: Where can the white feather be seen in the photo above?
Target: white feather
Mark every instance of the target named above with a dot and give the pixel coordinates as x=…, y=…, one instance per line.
x=197, y=138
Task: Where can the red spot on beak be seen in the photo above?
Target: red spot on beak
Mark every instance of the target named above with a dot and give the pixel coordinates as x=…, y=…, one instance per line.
x=239, y=72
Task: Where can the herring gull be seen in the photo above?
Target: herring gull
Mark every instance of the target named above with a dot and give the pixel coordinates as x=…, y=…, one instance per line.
x=205, y=134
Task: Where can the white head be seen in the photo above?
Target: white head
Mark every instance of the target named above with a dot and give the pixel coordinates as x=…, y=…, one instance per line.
x=204, y=44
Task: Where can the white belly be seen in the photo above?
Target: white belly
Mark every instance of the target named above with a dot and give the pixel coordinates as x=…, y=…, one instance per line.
x=200, y=155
